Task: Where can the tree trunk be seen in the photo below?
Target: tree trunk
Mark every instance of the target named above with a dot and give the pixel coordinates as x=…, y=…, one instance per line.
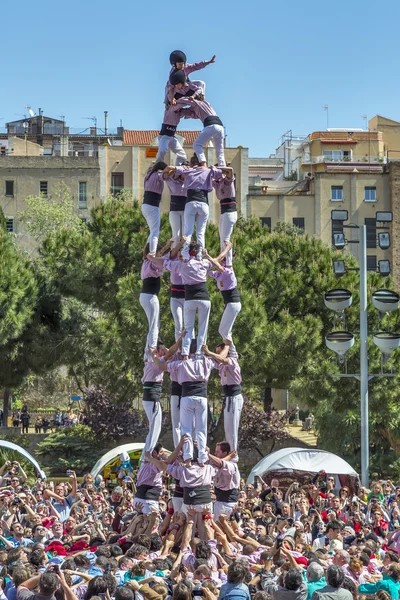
x=6, y=404
x=267, y=400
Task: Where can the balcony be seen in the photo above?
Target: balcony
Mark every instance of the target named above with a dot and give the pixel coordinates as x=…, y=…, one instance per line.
x=355, y=159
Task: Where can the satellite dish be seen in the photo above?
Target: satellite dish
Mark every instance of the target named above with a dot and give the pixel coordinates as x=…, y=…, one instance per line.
x=31, y=112
x=25, y=125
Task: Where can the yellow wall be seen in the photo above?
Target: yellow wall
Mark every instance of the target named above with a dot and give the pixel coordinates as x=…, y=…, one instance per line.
x=391, y=134
x=20, y=147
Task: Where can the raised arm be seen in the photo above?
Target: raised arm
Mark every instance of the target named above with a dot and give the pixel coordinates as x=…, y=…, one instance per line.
x=160, y=364
x=224, y=252
x=174, y=455
x=175, y=347
x=160, y=464
x=157, y=260
x=213, y=261
x=221, y=358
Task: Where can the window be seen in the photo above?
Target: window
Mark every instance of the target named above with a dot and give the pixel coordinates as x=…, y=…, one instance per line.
x=370, y=194
x=371, y=232
x=371, y=263
x=266, y=222
x=43, y=187
x=117, y=182
x=337, y=193
x=337, y=227
x=9, y=188
x=10, y=224
x=337, y=155
x=299, y=222
x=82, y=202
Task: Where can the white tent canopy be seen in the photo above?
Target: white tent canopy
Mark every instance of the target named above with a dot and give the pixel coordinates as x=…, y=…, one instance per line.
x=112, y=454
x=301, y=459
x=25, y=453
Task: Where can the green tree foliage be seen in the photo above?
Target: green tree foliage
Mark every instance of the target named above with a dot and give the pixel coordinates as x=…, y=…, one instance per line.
x=46, y=215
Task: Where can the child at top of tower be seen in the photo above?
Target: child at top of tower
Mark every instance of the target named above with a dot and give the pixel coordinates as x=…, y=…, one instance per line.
x=177, y=59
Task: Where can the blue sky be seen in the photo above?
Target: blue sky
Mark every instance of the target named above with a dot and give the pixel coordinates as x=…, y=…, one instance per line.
x=277, y=62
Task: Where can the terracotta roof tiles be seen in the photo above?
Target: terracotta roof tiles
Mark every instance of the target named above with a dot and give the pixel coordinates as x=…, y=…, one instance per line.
x=135, y=137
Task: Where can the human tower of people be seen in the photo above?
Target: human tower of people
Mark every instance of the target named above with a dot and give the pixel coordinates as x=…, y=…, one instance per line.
x=189, y=362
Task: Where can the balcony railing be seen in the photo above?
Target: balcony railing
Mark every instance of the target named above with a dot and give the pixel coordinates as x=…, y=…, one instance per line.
x=345, y=159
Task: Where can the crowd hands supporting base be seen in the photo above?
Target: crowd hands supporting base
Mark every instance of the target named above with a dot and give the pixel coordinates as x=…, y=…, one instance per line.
x=81, y=542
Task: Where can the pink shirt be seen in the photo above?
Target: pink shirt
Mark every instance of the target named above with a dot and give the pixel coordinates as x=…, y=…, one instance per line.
x=149, y=269
x=230, y=373
x=193, y=476
x=192, y=272
x=152, y=373
x=198, y=178
x=193, y=369
x=227, y=477
x=226, y=279
x=224, y=188
x=149, y=474
x=172, y=117
x=187, y=69
x=201, y=108
x=154, y=182
x=175, y=186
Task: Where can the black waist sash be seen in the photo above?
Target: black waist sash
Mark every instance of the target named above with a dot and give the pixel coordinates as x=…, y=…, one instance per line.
x=167, y=130
x=177, y=202
x=152, y=391
x=197, y=196
x=232, y=390
x=230, y=295
x=176, y=389
x=178, y=492
x=197, y=291
x=194, y=388
x=177, y=290
x=226, y=495
x=187, y=95
x=151, y=285
x=197, y=495
x=152, y=198
x=212, y=120
x=228, y=205
x=148, y=492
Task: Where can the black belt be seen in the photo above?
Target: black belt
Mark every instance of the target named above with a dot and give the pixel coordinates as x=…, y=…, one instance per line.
x=228, y=205
x=177, y=290
x=152, y=198
x=197, y=495
x=212, y=120
x=152, y=391
x=194, y=388
x=167, y=130
x=151, y=285
x=197, y=196
x=148, y=492
x=178, y=493
x=226, y=495
x=230, y=295
x=187, y=95
x=177, y=203
x=176, y=389
x=197, y=291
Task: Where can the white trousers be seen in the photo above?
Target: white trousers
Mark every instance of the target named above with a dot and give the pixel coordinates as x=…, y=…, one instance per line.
x=217, y=134
x=154, y=416
x=177, y=504
x=198, y=508
x=168, y=142
x=153, y=218
x=149, y=506
x=177, y=306
x=151, y=307
x=175, y=419
x=223, y=508
x=232, y=309
x=232, y=412
x=196, y=213
x=202, y=308
x=225, y=227
x=194, y=408
x=176, y=222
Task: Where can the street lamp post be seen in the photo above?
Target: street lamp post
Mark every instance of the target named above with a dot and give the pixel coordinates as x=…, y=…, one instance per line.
x=341, y=341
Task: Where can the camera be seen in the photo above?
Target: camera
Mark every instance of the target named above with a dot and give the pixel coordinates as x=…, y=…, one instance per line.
x=279, y=543
x=55, y=569
x=68, y=472
x=197, y=591
x=17, y=500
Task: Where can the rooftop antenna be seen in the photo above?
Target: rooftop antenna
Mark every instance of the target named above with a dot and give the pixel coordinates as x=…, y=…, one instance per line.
x=326, y=108
x=365, y=118
x=94, y=119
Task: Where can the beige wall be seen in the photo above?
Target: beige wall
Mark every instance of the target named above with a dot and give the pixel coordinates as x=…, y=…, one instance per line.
x=20, y=147
x=390, y=132
x=27, y=172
